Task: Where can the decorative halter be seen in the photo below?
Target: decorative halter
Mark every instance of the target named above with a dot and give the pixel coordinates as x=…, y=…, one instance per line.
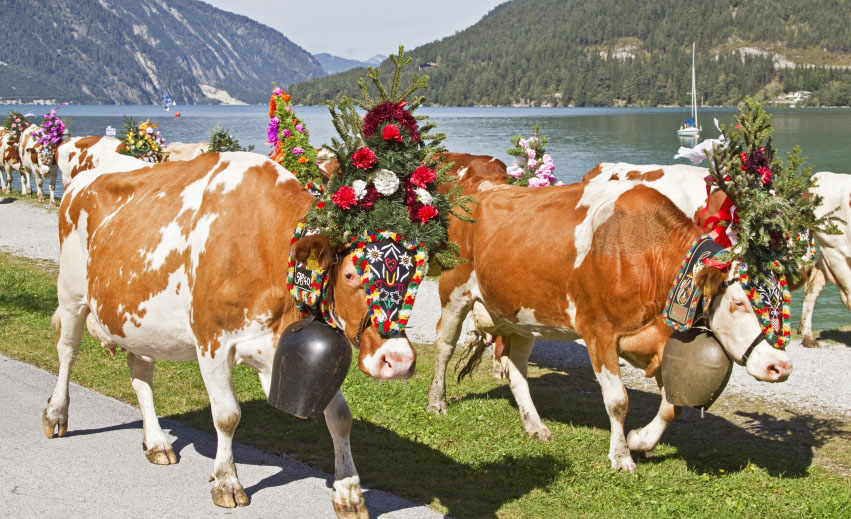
x=390, y=269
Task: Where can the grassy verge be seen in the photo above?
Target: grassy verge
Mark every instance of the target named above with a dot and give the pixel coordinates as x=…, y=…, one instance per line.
x=745, y=458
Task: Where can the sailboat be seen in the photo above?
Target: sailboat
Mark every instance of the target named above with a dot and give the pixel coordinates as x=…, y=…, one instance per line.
x=690, y=127
x=167, y=102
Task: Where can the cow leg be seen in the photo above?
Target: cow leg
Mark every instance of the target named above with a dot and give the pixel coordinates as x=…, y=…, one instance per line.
x=815, y=283
x=646, y=438
x=515, y=365
x=52, y=186
x=26, y=189
x=154, y=442
x=348, y=499
x=6, y=179
x=39, y=182
x=227, y=491
x=448, y=332
x=604, y=360
x=69, y=321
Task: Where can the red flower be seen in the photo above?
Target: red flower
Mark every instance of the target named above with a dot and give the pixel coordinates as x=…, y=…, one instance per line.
x=320, y=204
x=391, y=133
x=765, y=175
x=422, y=176
x=344, y=197
x=364, y=158
x=426, y=213
x=388, y=111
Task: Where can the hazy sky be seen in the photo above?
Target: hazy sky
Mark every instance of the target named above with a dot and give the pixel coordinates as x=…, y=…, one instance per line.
x=360, y=29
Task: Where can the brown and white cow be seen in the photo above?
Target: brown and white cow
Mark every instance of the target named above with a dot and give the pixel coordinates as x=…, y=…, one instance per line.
x=597, y=259
x=834, y=264
x=686, y=187
x=34, y=163
x=79, y=154
x=184, y=150
x=10, y=161
x=183, y=261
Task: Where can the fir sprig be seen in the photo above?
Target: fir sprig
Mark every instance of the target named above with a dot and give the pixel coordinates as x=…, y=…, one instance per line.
x=774, y=201
x=222, y=140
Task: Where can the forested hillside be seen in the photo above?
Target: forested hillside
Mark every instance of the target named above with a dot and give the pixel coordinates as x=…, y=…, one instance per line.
x=126, y=51
x=635, y=52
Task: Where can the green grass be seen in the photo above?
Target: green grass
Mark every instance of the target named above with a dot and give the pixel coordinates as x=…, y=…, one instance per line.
x=745, y=459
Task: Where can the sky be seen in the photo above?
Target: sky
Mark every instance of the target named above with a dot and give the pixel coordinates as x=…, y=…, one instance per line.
x=360, y=29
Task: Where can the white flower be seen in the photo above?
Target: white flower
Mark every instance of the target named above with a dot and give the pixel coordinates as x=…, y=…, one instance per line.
x=423, y=196
x=386, y=182
x=360, y=188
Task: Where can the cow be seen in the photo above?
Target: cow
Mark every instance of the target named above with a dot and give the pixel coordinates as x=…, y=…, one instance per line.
x=686, y=187
x=184, y=150
x=79, y=154
x=11, y=161
x=596, y=259
x=183, y=261
x=34, y=162
x=834, y=264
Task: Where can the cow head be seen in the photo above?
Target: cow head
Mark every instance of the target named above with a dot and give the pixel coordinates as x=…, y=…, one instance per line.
x=381, y=357
x=733, y=320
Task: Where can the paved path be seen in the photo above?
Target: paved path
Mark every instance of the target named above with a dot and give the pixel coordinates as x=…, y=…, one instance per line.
x=99, y=469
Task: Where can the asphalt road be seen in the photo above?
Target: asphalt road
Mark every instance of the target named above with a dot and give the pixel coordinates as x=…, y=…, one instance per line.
x=99, y=469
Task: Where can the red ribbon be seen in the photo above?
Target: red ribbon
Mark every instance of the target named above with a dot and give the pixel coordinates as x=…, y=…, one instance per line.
x=711, y=262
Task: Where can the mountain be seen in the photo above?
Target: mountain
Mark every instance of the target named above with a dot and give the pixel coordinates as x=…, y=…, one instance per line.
x=333, y=64
x=125, y=51
x=632, y=52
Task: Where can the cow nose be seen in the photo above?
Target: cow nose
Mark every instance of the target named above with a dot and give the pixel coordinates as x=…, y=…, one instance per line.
x=778, y=371
x=396, y=366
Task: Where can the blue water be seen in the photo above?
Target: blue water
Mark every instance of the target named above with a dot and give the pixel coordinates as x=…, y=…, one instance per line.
x=578, y=138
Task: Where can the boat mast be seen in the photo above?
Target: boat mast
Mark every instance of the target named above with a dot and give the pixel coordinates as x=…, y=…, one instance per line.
x=693, y=89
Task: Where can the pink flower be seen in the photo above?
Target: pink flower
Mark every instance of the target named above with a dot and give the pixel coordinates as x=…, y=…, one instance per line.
x=344, y=197
x=276, y=92
x=538, y=182
x=299, y=128
x=364, y=158
x=297, y=151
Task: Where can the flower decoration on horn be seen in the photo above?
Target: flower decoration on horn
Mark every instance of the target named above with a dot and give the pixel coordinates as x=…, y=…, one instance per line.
x=16, y=123
x=290, y=141
x=382, y=202
x=49, y=135
x=533, y=166
x=769, y=207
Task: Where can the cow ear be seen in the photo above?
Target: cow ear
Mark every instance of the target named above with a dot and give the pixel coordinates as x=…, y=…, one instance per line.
x=709, y=280
x=314, y=248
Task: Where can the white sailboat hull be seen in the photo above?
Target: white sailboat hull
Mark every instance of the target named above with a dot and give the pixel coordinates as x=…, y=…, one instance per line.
x=688, y=132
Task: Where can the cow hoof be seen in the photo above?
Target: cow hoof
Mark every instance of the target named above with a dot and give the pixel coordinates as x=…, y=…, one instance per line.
x=636, y=442
x=438, y=408
x=541, y=433
x=625, y=464
x=50, y=425
x=159, y=455
x=357, y=511
x=810, y=342
x=226, y=498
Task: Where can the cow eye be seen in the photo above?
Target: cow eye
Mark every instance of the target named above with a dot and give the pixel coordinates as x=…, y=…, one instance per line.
x=350, y=276
x=739, y=303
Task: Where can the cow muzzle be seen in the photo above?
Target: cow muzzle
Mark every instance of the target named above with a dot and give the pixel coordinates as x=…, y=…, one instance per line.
x=395, y=359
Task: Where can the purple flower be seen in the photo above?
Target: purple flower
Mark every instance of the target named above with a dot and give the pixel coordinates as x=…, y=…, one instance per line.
x=286, y=132
x=297, y=151
x=300, y=128
x=272, y=135
x=277, y=92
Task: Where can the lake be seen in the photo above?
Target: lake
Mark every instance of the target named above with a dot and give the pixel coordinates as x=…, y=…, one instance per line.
x=578, y=138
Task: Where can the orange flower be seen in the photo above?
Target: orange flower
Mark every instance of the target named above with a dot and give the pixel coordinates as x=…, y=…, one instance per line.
x=302, y=159
x=295, y=120
x=285, y=96
x=272, y=106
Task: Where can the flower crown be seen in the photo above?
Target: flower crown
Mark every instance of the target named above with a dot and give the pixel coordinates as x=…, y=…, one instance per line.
x=290, y=141
x=142, y=141
x=388, y=174
x=769, y=208
x=533, y=166
x=49, y=135
x=16, y=123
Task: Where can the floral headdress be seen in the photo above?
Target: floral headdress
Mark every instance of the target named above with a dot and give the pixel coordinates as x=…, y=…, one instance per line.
x=383, y=203
x=49, y=135
x=533, y=166
x=16, y=123
x=221, y=140
x=142, y=141
x=768, y=214
x=290, y=141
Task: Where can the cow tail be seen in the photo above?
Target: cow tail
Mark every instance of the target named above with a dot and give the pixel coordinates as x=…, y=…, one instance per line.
x=472, y=354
